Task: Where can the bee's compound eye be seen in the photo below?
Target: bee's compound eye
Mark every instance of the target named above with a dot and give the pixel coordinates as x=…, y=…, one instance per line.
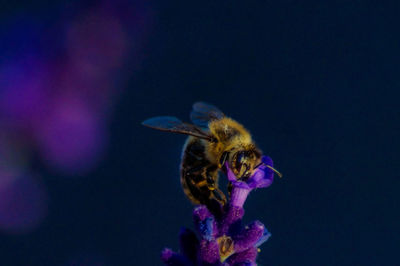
x=240, y=157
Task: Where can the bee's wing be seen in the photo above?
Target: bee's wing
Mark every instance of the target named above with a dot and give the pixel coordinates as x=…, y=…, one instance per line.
x=173, y=124
x=203, y=113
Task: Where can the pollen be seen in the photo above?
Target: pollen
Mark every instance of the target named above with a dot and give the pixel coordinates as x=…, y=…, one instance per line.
x=226, y=247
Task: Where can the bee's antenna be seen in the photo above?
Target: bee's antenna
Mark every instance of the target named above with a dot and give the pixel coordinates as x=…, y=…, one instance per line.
x=270, y=167
x=273, y=169
x=258, y=165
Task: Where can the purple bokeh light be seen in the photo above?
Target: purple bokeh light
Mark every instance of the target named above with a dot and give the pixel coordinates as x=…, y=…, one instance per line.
x=71, y=138
x=60, y=77
x=23, y=91
x=61, y=102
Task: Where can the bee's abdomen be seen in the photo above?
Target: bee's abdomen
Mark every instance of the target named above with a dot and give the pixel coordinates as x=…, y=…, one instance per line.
x=194, y=171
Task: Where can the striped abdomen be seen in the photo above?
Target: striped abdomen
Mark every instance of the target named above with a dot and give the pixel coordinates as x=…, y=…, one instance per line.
x=199, y=177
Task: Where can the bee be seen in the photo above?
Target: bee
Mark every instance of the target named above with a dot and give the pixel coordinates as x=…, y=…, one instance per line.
x=214, y=139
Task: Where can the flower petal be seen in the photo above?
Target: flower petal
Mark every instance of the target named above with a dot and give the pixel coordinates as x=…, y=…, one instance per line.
x=247, y=256
x=266, y=235
x=263, y=176
x=209, y=251
x=172, y=258
x=267, y=160
x=232, y=178
x=205, y=222
x=249, y=237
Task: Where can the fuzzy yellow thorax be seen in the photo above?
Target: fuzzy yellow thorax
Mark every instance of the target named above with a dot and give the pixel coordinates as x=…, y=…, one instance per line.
x=229, y=134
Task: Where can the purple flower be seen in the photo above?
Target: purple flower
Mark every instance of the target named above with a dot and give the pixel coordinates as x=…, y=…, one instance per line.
x=223, y=240
x=263, y=176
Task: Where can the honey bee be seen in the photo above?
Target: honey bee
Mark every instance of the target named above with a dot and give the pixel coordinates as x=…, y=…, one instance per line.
x=214, y=139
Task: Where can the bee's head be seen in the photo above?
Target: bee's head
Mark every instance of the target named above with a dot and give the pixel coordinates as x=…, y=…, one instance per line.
x=243, y=162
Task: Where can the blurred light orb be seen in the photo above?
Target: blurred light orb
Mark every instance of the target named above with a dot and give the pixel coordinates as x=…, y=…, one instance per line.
x=22, y=93
x=71, y=137
x=23, y=203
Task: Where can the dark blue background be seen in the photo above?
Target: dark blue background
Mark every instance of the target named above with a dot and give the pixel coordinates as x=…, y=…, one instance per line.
x=316, y=82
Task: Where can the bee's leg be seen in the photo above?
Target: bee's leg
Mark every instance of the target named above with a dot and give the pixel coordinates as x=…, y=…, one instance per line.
x=216, y=192
x=211, y=175
x=210, y=183
x=219, y=195
x=223, y=159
